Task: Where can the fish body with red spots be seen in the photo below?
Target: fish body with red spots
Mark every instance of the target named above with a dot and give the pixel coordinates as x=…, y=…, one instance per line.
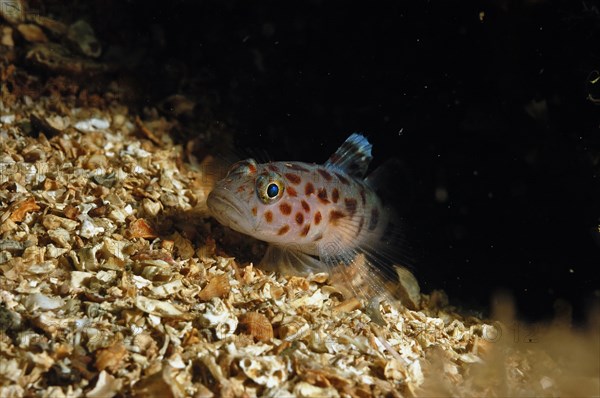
x=312, y=215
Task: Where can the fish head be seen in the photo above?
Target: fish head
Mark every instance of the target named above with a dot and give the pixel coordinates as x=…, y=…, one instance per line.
x=260, y=201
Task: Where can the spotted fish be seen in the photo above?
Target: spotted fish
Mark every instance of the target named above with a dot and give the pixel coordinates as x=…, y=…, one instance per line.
x=313, y=216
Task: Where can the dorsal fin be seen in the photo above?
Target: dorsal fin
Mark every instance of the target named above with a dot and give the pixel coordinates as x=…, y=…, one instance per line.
x=353, y=156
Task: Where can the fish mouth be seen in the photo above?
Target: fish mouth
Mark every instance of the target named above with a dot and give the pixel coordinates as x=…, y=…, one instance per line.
x=229, y=210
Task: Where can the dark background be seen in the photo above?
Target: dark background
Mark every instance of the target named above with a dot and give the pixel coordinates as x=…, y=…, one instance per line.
x=485, y=103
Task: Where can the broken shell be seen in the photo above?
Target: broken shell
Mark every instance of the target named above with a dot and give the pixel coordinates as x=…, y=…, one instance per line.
x=218, y=286
x=141, y=229
x=168, y=382
x=89, y=229
x=56, y=58
x=50, y=185
x=257, y=325
x=144, y=343
x=111, y=358
x=150, y=207
x=106, y=386
x=52, y=222
x=39, y=301
x=269, y=370
x=61, y=237
x=58, y=123
x=96, y=161
x=78, y=278
x=22, y=208
x=415, y=374
x=349, y=305
x=11, y=245
x=33, y=155
x=81, y=36
x=50, y=323
x=293, y=328
x=167, y=289
x=315, y=300
x=216, y=315
x=307, y=390
x=32, y=33
x=408, y=288
x=6, y=39
x=93, y=124
x=276, y=292
x=71, y=212
x=87, y=258
x=184, y=247
x=298, y=282
x=113, y=248
x=159, y=308
x=13, y=10
x=320, y=277
x=53, y=26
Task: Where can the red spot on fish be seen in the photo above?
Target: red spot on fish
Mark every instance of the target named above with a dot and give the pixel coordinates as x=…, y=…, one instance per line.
x=299, y=218
x=342, y=179
x=318, y=217
x=350, y=205
x=272, y=167
x=268, y=216
x=254, y=210
x=374, y=218
x=240, y=189
x=293, y=178
x=305, y=206
x=283, y=230
x=335, y=195
x=325, y=174
x=296, y=166
x=363, y=196
x=322, y=195
x=305, y=230
x=360, y=225
x=243, y=166
x=309, y=189
x=335, y=215
x=285, y=209
x=291, y=191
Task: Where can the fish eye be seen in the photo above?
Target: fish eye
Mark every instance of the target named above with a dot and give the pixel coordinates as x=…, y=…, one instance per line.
x=272, y=190
x=269, y=187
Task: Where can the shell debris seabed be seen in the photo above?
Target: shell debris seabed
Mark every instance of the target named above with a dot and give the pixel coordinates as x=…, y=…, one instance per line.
x=113, y=283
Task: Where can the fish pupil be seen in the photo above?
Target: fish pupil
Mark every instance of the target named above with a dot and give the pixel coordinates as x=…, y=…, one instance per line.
x=272, y=190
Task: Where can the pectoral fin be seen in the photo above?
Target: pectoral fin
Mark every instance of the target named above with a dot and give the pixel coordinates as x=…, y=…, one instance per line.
x=288, y=261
